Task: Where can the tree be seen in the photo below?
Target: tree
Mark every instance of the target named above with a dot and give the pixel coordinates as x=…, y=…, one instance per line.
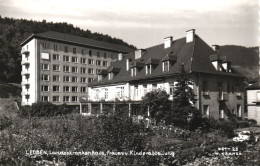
x=158, y=103
x=183, y=111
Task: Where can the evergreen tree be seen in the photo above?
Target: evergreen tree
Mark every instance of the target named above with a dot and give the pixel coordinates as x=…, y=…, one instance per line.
x=183, y=113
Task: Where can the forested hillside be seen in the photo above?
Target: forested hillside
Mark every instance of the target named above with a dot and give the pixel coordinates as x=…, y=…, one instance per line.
x=14, y=31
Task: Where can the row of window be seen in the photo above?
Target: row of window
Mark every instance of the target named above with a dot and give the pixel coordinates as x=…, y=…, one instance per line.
x=56, y=78
x=73, y=59
x=75, y=50
x=222, y=87
x=56, y=99
x=148, y=68
x=56, y=88
x=69, y=69
x=237, y=112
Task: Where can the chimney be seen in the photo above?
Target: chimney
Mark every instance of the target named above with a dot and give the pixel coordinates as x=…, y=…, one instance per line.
x=139, y=53
x=168, y=42
x=120, y=56
x=215, y=48
x=190, y=35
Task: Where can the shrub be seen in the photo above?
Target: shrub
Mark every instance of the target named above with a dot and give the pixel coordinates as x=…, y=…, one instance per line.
x=5, y=122
x=41, y=109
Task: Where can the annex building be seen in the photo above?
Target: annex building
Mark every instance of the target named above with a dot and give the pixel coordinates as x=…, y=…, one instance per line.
x=57, y=67
x=219, y=89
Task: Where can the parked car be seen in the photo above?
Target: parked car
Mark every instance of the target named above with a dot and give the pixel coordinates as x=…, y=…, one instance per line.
x=242, y=136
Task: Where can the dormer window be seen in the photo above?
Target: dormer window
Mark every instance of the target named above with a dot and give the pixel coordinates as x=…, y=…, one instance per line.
x=100, y=77
x=165, y=66
x=133, y=71
x=148, y=69
x=110, y=76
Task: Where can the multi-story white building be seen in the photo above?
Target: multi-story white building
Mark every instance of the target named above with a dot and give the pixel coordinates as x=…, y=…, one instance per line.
x=219, y=89
x=57, y=67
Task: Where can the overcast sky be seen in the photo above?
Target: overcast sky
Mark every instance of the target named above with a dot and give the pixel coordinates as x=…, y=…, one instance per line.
x=145, y=23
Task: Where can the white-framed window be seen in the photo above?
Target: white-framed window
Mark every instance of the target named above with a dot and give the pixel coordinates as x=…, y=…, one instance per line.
x=105, y=55
x=66, y=89
x=82, y=51
x=56, y=99
x=66, y=78
x=45, y=66
x=44, y=45
x=74, y=59
x=74, y=79
x=56, y=88
x=55, y=78
x=239, y=110
x=105, y=63
x=66, y=58
x=148, y=69
x=90, y=79
x=74, y=98
x=133, y=71
x=55, y=47
x=45, y=88
x=98, y=62
x=56, y=67
x=74, y=69
x=74, y=50
x=74, y=89
x=171, y=89
x=83, y=70
x=83, y=89
x=106, y=93
x=122, y=89
x=222, y=114
x=205, y=110
x=45, y=77
x=83, y=60
x=66, y=49
x=136, y=91
x=90, y=52
x=90, y=71
x=91, y=61
x=110, y=76
x=100, y=77
x=66, y=69
x=165, y=66
x=98, y=54
x=55, y=57
x=66, y=99
x=83, y=80
x=45, y=98
x=145, y=89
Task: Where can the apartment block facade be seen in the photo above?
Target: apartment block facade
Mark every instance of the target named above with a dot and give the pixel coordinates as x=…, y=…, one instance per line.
x=219, y=89
x=57, y=67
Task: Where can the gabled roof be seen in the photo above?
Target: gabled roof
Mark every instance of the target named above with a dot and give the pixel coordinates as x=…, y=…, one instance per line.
x=170, y=57
x=194, y=55
x=152, y=61
x=254, y=86
x=51, y=35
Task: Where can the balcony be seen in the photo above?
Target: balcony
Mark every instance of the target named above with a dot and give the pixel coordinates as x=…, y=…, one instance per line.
x=25, y=62
x=25, y=83
x=223, y=97
x=26, y=52
x=25, y=72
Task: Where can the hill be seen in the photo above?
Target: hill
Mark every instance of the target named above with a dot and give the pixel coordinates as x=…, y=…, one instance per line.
x=14, y=31
x=245, y=60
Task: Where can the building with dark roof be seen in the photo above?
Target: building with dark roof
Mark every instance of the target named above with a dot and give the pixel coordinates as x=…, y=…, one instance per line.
x=219, y=89
x=57, y=67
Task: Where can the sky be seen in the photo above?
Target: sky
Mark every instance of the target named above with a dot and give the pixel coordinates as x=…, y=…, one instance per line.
x=145, y=23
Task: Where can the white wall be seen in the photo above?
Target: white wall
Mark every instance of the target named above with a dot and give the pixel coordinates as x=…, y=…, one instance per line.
x=32, y=48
